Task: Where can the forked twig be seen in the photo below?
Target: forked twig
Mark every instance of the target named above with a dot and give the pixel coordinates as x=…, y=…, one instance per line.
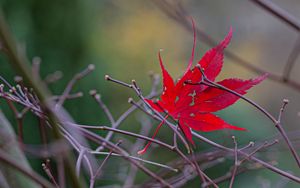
x=207, y=82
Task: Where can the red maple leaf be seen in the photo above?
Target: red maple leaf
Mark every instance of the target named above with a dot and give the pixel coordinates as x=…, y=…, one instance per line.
x=192, y=105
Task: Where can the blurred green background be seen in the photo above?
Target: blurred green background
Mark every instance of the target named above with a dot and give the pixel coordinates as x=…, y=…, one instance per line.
x=122, y=39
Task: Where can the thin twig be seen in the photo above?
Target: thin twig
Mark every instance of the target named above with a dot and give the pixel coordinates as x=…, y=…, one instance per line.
x=265, y=145
x=138, y=92
x=291, y=60
x=135, y=158
x=97, y=139
x=92, y=179
x=70, y=85
x=49, y=174
x=125, y=133
x=285, y=102
x=252, y=158
x=116, y=123
x=82, y=152
x=251, y=144
x=107, y=112
x=277, y=124
x=236, y=163
x=279, y=13
x=20, y=62
x=106, y=158
x=145, y=129
x=7, y=160
x=176, y=11
x=54, y=77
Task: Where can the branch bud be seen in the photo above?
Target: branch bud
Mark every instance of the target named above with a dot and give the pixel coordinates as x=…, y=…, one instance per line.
x=107, y=77
x=130, y=100
x=93, y=92
x=285, y=101
x=91, y=67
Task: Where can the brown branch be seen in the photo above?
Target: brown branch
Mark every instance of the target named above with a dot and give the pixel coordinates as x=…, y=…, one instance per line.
x=97, y=139
x=49, y=174
x=175, y=11
x=252, y=158
x=206, y=81
x=7, y=160
x=54, y=77
x=116, y=123
x=70, y=85
x=125, y=133
x=161, y=118
x=92, y=179
x=20, y=63
x=279, y=13
x=265, y=145
x=294, y=54
x=145, y=129
x=236, y=163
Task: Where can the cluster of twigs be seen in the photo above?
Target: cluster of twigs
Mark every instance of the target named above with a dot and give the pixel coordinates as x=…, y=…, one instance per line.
x=182, y=169
x=30, y=92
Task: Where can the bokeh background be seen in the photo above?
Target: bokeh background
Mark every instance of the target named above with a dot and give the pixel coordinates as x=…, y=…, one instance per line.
x=122, y=39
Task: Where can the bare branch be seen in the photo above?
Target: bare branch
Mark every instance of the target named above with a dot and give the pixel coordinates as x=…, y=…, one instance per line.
x=7, y=160
x=236, y=163
x=70, y=85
